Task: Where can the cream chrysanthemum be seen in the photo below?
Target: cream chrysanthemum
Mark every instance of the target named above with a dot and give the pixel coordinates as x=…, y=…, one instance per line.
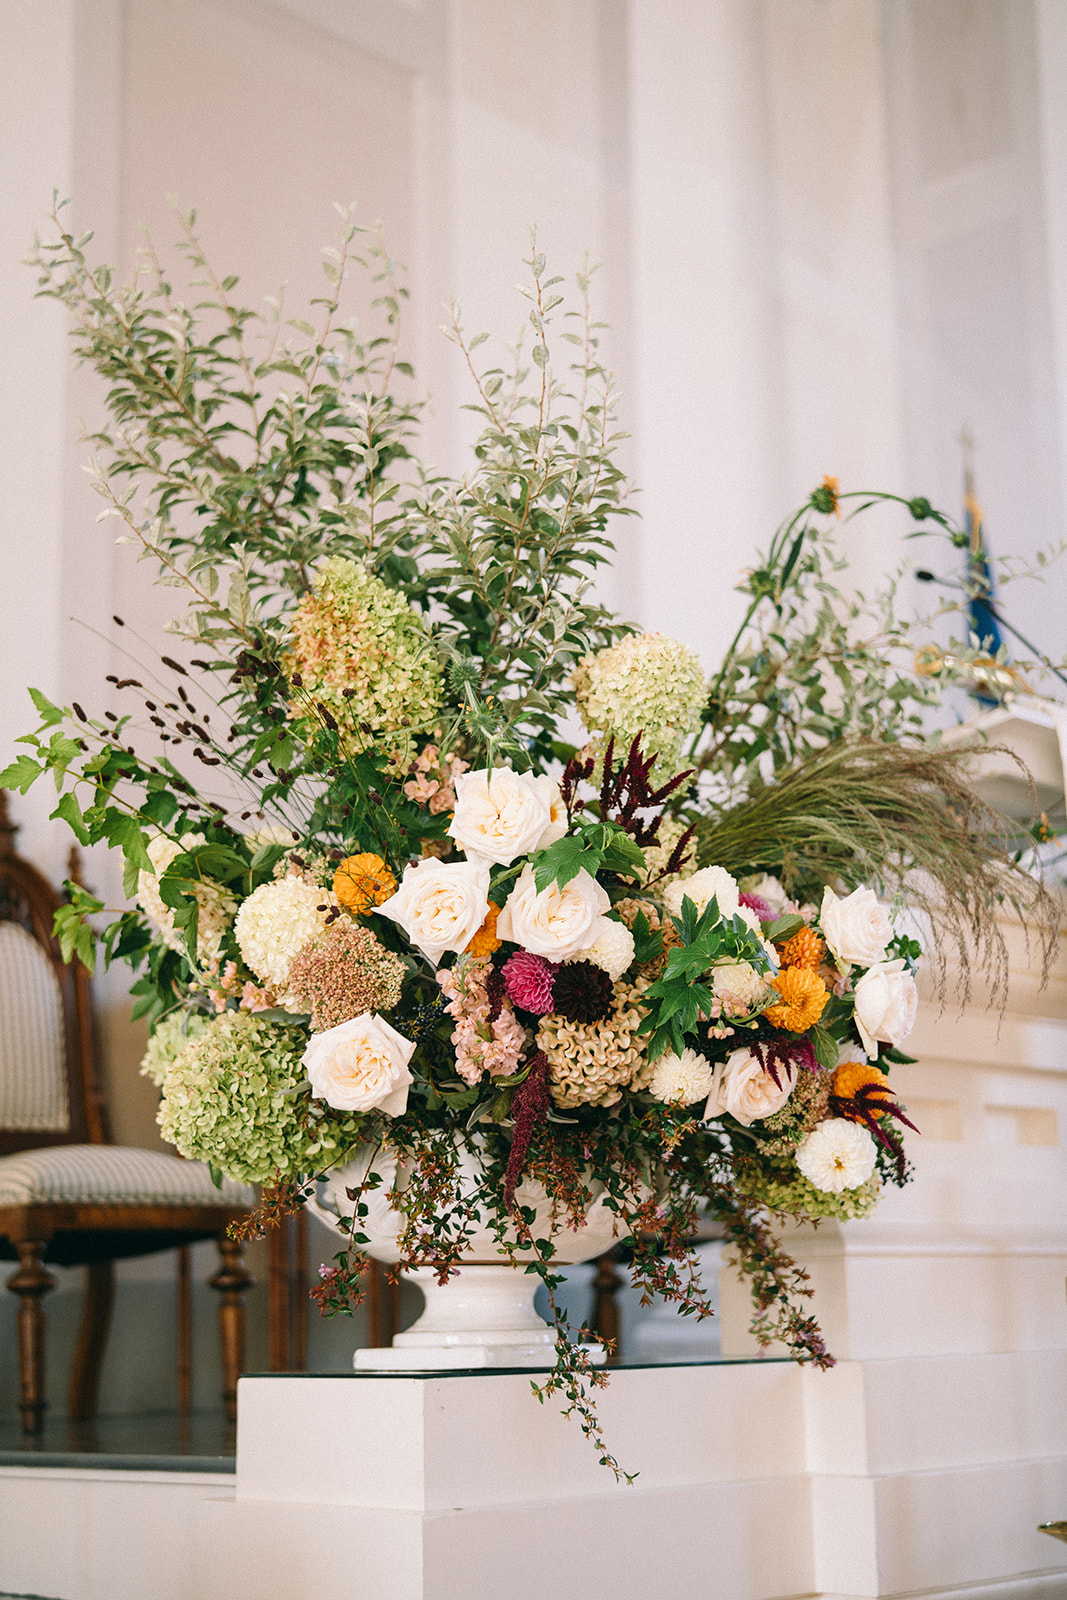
x=591, y=1063
x=646, y=684
x=276, y=922
x=837, y=1154
x=215, y=904
x=612, y=949
x=359, y=649
x=680, y=1080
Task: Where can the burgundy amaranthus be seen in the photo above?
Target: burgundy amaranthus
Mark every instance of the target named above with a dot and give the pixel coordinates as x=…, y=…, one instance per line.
x=529, y=1108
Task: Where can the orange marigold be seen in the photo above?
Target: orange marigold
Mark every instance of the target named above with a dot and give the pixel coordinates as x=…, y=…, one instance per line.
x=362, y=882
x=804, y=949
x=850, y=1078
x=803, y=999
x=485, y=940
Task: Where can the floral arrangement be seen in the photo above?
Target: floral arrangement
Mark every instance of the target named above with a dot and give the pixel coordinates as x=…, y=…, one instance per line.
x=388, y=906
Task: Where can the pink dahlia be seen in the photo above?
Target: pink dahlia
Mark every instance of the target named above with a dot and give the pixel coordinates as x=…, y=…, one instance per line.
x=528, y=980
x=756, y=903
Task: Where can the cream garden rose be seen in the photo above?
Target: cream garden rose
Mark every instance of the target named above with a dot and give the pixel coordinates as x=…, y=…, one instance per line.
x=440, y=905
x=744, y=1088
x=856, y=928
x=361, y=1065
x=887, y=1000
x=501, y=814
x=556, y=922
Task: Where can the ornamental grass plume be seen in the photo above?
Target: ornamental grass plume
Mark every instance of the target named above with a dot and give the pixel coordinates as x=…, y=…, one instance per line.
x=893, y=815
x=344, y=972
x=646, y=685
x=358, y=648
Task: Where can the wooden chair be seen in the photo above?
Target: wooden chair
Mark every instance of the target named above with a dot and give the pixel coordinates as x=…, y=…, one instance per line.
x=69, y=1196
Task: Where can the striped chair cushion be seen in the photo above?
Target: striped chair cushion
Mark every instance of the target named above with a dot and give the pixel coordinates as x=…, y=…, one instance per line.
x=33, y=1078
x=103, y=1174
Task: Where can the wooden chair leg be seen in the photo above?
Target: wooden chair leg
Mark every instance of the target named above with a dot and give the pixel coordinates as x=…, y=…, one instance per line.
x=606, y=1285
x=231, y=1280
x=84, y=1397
x=31, y=1283
x=279, y=1286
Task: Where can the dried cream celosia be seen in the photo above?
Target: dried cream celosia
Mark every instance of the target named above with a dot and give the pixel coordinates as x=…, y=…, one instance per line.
x=591, y=1064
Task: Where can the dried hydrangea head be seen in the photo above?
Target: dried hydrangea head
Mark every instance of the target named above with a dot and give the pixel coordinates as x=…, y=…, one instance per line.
x=646, y=684
x=344, y=972
x=215, y=904
x=359, y=649
x=226, y=1099
x=591, y=1063
x=802, y=999
x=168, y=1039
x=362, y=882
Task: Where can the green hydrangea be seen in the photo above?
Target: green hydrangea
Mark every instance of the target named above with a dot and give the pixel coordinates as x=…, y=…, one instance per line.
x=168, y=1039
x=361, y=650
x=797, y=1197
x=225, y=1100
x=646, y=684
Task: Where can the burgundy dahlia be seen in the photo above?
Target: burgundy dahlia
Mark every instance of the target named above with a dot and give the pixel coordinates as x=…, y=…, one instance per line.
x=529, y=980
x=583, y=993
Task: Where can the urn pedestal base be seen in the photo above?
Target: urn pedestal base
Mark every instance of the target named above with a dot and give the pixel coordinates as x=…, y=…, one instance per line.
x=481, y=1317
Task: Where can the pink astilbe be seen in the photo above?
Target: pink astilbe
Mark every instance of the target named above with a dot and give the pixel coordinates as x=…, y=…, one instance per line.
x=528, y=980
x=483, y=1041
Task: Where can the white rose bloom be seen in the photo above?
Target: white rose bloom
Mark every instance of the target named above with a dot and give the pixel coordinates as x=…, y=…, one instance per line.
x=747, y=1090
x=837, y=1154
x=886, y=1003
x=557, y=815
x=612, y=947
x=361, y=1065
x=856, y=928
x=738, y=985
x=679, y=1080
x=701, y=887
x=500, y=814
x=555, y=923
x=440, y=905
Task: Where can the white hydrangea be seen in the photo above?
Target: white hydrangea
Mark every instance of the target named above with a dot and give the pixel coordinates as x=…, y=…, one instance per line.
x=275, y=923
x=837, y=1154
x=701, y=887
x=613, y=948
x=216, y=904
x=680, y=1080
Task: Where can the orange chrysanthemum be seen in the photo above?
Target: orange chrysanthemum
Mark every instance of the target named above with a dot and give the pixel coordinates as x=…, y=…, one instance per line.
x=485, y=940
x=803, y=999
x=804, y=949
x=362, y=882
x=850, y=1078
